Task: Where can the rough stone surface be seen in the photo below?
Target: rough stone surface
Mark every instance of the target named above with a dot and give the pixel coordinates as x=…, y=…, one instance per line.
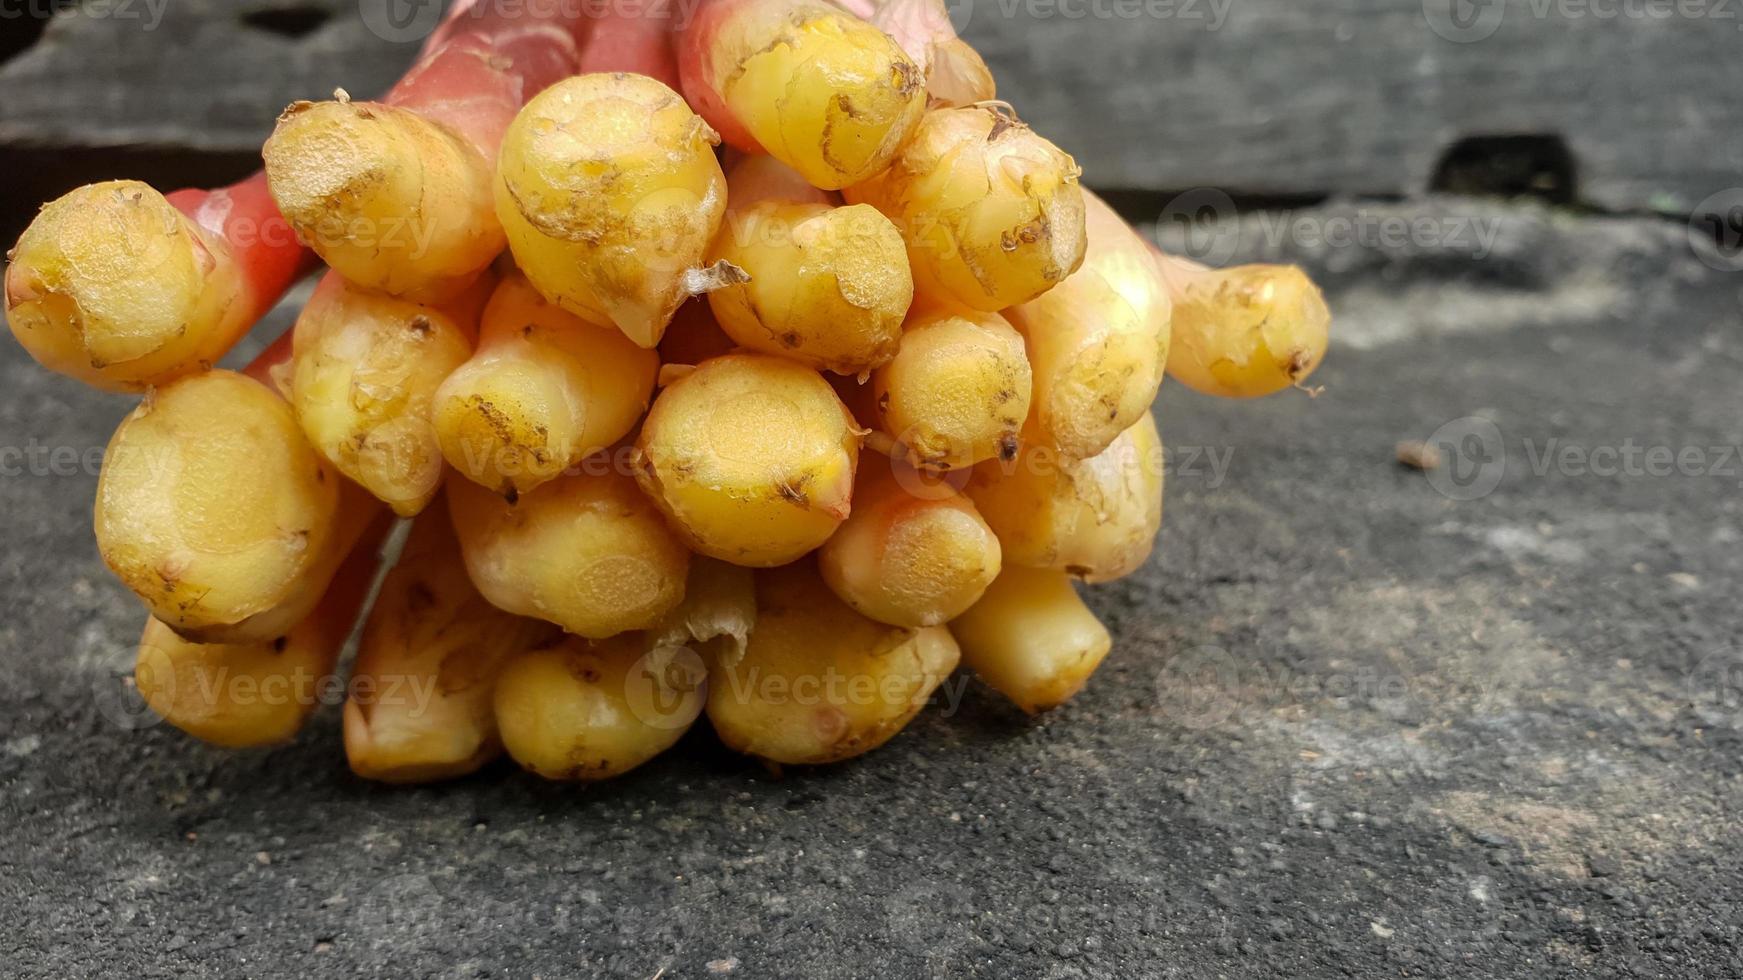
x=1353, y=725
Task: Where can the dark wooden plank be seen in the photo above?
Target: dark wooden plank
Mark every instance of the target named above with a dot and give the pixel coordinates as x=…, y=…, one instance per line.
x=191, y=74
x=1364, y=97
x=1273, y=97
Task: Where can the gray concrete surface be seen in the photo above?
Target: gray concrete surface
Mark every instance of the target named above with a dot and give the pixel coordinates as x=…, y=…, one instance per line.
x=1359, y=721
